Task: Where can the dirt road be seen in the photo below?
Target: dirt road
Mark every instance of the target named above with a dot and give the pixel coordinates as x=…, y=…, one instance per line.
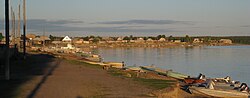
x=68, y=80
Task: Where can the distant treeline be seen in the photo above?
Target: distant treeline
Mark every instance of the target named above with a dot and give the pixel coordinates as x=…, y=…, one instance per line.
x=187, y=38
x=236, y=39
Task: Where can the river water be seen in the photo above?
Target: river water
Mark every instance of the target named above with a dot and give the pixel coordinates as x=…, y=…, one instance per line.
x=213, y=61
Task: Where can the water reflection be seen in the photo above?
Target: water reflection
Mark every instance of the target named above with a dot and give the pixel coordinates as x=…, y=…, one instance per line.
x=214, y=61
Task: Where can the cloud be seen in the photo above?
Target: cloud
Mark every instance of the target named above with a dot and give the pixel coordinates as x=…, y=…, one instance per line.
x=152, y=22
x=245, y=26
x=38, y=25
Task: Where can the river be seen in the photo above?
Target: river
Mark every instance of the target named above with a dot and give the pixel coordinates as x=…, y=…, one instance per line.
x=213, y=61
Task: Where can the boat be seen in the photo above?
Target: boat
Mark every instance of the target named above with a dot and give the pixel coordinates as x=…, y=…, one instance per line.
x=200, y=79
x=221, y=93
x=115, y=64
x=222, y=90
x=89, y=57
x=133, y=68
x=154, y=69
x=176, y=75
x=168, y=73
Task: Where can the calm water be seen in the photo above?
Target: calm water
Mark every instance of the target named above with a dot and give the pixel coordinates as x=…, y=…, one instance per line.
x=214, y=61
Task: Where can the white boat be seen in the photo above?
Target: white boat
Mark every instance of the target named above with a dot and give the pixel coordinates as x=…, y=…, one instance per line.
x=133, y=68
x=222, y=93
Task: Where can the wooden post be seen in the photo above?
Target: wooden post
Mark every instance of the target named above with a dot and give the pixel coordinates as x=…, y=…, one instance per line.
x=24, y=29
x=19, y=27
x=7, y=36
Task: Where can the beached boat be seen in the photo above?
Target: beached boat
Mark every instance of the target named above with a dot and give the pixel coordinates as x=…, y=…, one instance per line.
x=89, y=57
x=176, y=75
x=200, y=79
x=169, y=73
x=133, y=68
x=154, y=69
x=115, y=64
x=221, y=93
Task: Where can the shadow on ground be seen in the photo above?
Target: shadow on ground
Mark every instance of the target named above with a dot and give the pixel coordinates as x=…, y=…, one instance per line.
x=23, y=71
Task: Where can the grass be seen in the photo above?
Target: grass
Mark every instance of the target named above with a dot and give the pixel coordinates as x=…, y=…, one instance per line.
x=156, y=83
x=153, y=83
x=77, y=62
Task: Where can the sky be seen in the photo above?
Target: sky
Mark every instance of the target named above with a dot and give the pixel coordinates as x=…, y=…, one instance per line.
x=136, y=17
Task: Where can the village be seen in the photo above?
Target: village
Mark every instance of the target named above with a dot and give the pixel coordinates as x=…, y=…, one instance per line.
x=97, y=41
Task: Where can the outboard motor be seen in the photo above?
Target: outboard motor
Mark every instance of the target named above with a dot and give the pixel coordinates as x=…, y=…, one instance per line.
x=201, y=76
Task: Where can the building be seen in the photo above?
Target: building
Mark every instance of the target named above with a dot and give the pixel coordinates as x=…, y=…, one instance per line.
x=162, y=40
x=177, y=41
x=196, y=40
x=78, y=41
x=226, y=41
x=31, y=36
x=139, y=40
x=67, y=39
x=149, y=40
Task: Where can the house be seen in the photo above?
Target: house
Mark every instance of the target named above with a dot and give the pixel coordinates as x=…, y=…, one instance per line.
x=79, y=41
x=86, y=42
x=124, y=41
x=69, y=46
x=139, y=40
x=37, y=41
x=31, y=36
x=119, y=39
x=67, y=39
x=149, y=40
x=177, y=41
x=196, y=40
x=102, y=42
x=162, y=40
x=226, y=41
x=40, y=40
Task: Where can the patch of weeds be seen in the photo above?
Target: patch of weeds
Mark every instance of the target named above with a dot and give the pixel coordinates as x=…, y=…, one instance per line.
x=84, y=63
x=116, y=72
x=156, y=83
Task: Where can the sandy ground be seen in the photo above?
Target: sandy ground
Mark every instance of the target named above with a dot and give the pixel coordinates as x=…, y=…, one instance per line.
x=77, y=81
x=62, y=79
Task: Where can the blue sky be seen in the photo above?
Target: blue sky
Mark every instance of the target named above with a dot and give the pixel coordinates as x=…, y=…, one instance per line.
x=136, y=17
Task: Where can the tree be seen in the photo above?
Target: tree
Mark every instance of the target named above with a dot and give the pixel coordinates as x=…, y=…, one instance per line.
x=1, y=36
x=187, y=39
x=51, y=37
x=131, y=37
x=126, y=38
x=158, y=37
x=86, y=38
x=96, y=39
x=170, y=38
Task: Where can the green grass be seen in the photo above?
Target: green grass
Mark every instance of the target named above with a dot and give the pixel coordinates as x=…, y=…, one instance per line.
x=77, y=62
x=153, y=83
x=116, y=72
x=156, y=83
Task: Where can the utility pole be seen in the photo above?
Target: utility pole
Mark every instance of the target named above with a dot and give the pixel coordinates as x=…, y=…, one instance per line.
x=24, y=29
x=13, y=33
x=19, y=26
x=7, y=36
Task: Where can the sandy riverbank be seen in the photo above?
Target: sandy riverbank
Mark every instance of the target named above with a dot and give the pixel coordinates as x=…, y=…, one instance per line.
x=49, y=77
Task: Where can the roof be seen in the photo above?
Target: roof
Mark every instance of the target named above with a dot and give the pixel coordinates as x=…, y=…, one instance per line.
x=66, y=38
x=37, y=39
x=45, y=38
